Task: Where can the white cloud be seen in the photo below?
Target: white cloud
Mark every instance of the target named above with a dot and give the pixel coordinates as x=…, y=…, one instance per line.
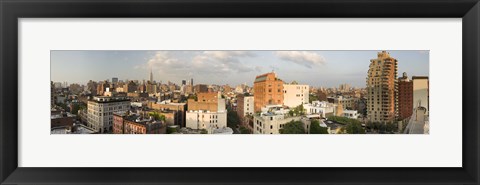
x=228, y=55
x=223, y=61
x=305, y=58
x=163, y=59
x=203, y=63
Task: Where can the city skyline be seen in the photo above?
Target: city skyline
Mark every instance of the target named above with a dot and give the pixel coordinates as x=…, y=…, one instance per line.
x=315, y=68
x=281, y=101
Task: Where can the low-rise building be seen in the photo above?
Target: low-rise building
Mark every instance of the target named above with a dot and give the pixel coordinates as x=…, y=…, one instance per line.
x=347, y=102
x=61, y=119
x=224, y=130
x=179, y=110
x=352, y=114
x=272, y=119
x=61, y=130
x=82, y=129
x=75, y=129
x=333, y=127
x=206, y=101
x=136, y=104
x=208, y=112
x=126, y=123
x=201, y=119
x=323, y=108
x=169, y=115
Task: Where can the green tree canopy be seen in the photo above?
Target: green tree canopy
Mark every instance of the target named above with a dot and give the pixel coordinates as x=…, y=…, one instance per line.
x=171, y=130
x=315, y=128
x=157, y=116
x=342, y=120
x=312, y=97
x=297, y=111
x=293, y=127
x=232, y=119
x=354, y=128
x=244, y=130
x=77, y=107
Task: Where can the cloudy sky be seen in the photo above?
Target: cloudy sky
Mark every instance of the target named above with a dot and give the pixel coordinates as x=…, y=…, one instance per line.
x=316, y=68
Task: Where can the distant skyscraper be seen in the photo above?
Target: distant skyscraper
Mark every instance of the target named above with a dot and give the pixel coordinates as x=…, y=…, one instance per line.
x=184, y=82
x=405, y=97
x=382, y=88
x=191, y=82
x=200, y=88
x=344, y=87
x=268, y=90
x=151, y=76
x=114, y=80
x=102, y=87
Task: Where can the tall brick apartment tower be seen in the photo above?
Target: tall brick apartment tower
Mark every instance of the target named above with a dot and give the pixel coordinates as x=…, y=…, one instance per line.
x=382, y=103
x=268, y=90
x=405, y=97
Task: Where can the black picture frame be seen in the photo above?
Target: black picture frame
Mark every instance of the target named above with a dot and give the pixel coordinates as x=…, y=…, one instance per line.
x=12, y=10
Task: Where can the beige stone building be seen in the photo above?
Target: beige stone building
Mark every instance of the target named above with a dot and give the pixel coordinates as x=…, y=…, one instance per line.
x=421, y=92
x=382, y=88
x=179, y=110
x=100, y=112
x=295, y=94
x=208, y=112
x=271, y=119
x=205, y=101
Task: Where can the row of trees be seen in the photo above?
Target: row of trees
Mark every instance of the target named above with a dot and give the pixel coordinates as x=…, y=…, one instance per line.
x=293, y=127
x=387, y=127
x=352, y=126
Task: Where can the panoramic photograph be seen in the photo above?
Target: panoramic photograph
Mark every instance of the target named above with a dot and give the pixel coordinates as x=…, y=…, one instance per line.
x=239, y=92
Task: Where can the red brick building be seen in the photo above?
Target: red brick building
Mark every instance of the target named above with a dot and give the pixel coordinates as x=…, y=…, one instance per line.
x=118, y=125
x=268, y=91
x=245, y=106
x=405, y=97
x=124, y=123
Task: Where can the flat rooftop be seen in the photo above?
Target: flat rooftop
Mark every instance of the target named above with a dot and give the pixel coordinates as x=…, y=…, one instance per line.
x=108, y=99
